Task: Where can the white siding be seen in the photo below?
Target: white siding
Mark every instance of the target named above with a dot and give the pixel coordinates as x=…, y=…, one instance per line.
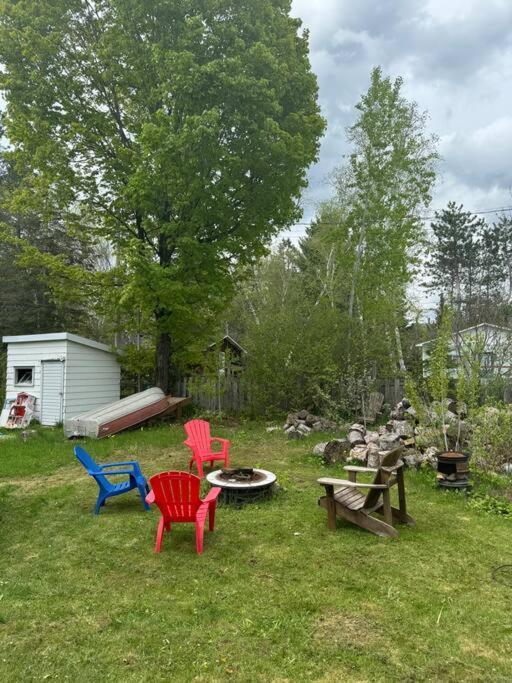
x=52, y=391
x=91, y=376
x=92, y=379
x=30, y=355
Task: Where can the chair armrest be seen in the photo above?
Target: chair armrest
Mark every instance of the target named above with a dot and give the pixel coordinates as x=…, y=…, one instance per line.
x=150, y=498
x=133, y=463
x=356, y=468
x=225, y=442
x=107, y=474
x=212, y=495
x=329, y=481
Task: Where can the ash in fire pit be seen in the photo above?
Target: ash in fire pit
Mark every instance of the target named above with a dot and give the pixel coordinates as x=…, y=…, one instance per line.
x=243, y=485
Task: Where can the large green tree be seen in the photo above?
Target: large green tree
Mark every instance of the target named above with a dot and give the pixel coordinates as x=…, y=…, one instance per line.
x=178, y=130
x=367, y=237
x=27, y=303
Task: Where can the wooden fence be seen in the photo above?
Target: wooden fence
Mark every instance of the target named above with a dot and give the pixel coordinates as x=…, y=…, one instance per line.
x=227, y=394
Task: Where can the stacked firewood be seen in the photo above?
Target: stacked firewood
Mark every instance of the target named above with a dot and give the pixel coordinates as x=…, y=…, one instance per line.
x=302, y=423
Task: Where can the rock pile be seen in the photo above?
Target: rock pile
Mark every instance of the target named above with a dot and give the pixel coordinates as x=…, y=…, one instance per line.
x=370, y=446
x=302, y=423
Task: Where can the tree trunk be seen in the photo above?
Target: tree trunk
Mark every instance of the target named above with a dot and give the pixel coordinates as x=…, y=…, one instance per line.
x=399, y=350
x=163, y=362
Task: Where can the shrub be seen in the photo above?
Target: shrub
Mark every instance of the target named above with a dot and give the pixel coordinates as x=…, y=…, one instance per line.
x=491, y=441
x=493, y=505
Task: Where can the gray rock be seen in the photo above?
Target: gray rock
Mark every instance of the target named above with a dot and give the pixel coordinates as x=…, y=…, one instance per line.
x=303, y=429
x=389, y=441
x=274, y=428
x=336, y=451
x=359, y=452
x=373, y=459
x=294, y=434
x=371, y=437
x=319, y=448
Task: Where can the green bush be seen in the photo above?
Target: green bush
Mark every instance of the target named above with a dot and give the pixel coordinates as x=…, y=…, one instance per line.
x=491, y=441
x=493, y=505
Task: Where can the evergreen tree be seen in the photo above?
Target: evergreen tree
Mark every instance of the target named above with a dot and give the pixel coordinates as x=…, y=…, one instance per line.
x=454, y=257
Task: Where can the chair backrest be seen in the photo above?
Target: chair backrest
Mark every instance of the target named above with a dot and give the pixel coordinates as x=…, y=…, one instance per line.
x=89, y=464
x=176, y=494
x=198, y=432
x=389, y=460
x=86, y=460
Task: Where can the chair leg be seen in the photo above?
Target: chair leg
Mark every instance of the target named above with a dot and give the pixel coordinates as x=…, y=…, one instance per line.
x=99, y=503
x=142, y=493
x=159, y=534
x=211, y=515
x=199, y=536
x=200, y=472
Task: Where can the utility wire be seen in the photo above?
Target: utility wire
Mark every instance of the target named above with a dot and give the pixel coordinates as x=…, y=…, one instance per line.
x=422, y=218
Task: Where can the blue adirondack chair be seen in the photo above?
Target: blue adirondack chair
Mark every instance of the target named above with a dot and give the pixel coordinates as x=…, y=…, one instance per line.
x=101, y=472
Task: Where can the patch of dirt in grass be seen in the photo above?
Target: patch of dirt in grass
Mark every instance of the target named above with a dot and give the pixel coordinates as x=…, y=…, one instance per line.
x=335, y=628
x=478, y=649
x=66, y=475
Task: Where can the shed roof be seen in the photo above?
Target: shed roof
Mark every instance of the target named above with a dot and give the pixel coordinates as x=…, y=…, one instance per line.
x=56, y=336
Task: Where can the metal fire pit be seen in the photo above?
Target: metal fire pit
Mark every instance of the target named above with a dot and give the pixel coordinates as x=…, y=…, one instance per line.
x=243, y=485
x=453, y=470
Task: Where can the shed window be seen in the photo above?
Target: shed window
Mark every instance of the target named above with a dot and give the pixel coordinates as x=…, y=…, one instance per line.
x=24, y=376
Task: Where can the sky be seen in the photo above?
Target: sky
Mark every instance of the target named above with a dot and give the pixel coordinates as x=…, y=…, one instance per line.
x=455, y=57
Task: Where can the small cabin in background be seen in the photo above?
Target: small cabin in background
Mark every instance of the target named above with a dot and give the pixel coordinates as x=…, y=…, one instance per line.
x=67, y=374
x=490, y=345
x=217, y=385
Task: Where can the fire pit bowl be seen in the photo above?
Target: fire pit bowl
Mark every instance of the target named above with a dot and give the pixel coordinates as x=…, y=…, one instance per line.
x=243, y=485
x=453, y=470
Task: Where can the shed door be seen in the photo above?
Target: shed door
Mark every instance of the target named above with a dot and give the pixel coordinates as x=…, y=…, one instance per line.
x=52, y=381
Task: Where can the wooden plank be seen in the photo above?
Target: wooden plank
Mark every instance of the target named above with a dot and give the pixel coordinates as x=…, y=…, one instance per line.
x=345, y=482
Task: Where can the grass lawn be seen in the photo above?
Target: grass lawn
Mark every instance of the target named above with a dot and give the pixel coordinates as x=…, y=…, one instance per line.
x=276, y=596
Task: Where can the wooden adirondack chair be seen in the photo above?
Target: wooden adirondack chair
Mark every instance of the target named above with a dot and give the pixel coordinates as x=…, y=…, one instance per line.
x=100, y=473
x=349, y=503
x=177, y=496
x=200, y=443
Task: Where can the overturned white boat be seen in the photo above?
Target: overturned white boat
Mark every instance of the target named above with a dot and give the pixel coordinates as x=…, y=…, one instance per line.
x=123, y=414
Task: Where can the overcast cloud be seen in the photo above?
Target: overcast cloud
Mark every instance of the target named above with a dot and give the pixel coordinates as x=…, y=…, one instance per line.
x=456, y=60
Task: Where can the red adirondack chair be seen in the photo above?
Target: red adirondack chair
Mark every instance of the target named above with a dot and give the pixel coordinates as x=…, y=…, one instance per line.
x=200, y=443
x=177, y=496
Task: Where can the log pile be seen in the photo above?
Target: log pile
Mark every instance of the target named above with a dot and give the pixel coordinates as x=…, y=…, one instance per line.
x=300, y=424
x=370, y=446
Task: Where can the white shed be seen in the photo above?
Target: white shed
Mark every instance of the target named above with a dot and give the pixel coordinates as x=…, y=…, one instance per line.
x=66, y=373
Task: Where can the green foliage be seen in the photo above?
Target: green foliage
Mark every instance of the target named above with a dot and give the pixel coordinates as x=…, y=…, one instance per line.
x=179, y=133
x=413, y=395
x=438, y=365
x=491, y=441
x=291, y=343
x=468, y=375
x=493, y=505
x=362, y=243
x=470, y=264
